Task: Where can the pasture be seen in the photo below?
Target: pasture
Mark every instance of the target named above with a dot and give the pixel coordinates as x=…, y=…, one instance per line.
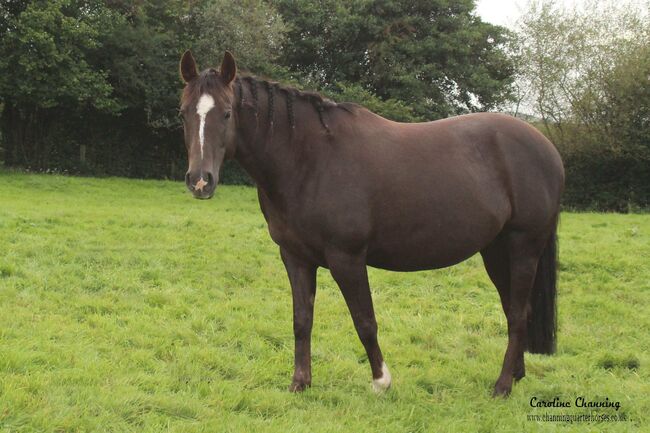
x=128, y=306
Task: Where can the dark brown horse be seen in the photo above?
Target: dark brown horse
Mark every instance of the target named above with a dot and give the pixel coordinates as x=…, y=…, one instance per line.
x=343, y=188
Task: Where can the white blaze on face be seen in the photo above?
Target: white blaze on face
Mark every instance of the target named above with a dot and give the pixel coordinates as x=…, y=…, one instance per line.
x=205, y=104
x=382, y=383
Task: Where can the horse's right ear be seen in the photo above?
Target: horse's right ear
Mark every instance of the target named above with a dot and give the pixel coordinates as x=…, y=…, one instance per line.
x=188, y=67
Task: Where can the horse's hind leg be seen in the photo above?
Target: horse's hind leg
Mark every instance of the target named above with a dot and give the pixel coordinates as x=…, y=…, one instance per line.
x=350, y=273
x=524, y=251
x=496, y=259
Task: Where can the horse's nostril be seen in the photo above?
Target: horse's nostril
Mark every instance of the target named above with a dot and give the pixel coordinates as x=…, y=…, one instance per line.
x=200, y=183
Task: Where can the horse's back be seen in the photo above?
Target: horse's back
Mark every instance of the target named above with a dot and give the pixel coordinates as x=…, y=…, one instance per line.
x=441, y=191
x=499, y=155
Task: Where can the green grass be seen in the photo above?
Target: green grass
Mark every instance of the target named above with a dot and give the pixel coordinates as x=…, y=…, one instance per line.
x=127, y=306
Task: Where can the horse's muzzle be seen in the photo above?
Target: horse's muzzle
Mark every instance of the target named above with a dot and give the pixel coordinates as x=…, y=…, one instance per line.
x=201, y=185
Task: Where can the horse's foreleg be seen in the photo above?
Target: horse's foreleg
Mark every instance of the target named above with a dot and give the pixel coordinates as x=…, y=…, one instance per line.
x=524, y=253
x=351, y=275
x=302, y=277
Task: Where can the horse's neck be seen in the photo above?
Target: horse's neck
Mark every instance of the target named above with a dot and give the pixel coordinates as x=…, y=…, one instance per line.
x=265, y=162
x=272, y=144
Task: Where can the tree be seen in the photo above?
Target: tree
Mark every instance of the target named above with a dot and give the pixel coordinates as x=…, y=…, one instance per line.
x=586, y=70
x=251, y=29
x=44, y=49
x=434, y=55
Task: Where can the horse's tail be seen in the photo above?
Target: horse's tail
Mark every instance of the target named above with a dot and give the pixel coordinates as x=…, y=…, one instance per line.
x=542, y=316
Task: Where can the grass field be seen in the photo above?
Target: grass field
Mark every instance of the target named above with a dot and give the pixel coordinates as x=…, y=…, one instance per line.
x=127, y=306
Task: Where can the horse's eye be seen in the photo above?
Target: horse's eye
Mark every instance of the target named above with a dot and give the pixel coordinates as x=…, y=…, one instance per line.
x=227, y=114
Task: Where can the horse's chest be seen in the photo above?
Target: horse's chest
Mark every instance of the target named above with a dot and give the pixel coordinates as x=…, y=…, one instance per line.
x=287, y=234
x=289, y=238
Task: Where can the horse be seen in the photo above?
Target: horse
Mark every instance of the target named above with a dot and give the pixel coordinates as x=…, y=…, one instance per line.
x=343, y=188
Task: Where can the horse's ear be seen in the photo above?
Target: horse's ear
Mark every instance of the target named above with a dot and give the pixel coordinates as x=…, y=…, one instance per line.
x=228, y=67
x=188, y=67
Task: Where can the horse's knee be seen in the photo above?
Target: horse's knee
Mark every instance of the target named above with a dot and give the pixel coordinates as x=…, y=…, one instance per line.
x=517, y=319
x=302, y=327
x=367, y=331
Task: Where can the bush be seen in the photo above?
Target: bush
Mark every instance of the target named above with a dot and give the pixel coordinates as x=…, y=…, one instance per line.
x=604, y=180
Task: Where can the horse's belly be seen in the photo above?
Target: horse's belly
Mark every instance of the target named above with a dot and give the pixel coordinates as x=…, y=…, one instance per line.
x=416, y=259
x=431, y=246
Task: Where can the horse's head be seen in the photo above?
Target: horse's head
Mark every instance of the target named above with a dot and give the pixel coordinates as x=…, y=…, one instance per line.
x=208, y=122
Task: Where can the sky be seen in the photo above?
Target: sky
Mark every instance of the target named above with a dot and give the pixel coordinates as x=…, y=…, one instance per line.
x=502, y=12
x=506, y=12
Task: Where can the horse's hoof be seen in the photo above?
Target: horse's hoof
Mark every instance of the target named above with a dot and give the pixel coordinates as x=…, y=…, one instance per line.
x=501, y=390
x=382, y=384
x=298, y=386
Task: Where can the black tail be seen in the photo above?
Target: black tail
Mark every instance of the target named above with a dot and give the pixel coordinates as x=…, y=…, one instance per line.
x=542, y=320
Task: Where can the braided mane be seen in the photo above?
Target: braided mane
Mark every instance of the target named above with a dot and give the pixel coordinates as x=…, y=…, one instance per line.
x=320, y=104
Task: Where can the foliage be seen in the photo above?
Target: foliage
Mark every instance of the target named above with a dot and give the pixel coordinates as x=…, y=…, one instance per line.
x=251, y=29
x=586, y=71
x=129, y=306
x=44, y=71
x=393, y=109
x=436, y=56
x=140, y=51
x=579, y=63
x=44, y=55
x=78, y=74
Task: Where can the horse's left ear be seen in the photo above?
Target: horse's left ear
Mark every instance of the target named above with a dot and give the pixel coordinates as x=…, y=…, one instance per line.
x=228, y=67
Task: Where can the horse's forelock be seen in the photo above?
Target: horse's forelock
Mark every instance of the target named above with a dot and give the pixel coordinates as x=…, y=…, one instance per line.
x=208, y=82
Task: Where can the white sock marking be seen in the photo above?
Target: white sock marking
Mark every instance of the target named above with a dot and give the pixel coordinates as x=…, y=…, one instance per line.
x=383, y=383
x=205, y=104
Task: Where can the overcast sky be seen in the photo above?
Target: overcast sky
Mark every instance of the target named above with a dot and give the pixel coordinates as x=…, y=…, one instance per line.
x=502, y=12
x=506, y=12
